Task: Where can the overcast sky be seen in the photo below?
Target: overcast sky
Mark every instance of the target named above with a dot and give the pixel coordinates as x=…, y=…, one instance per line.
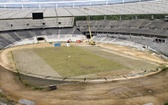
x=65, y=4
x=39, y=0
x=31, y=0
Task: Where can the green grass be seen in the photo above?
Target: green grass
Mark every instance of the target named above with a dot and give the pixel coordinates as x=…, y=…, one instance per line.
x=166, y=103
x=76, y=61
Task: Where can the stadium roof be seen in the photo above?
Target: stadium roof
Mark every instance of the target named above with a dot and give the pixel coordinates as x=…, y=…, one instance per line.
x=147, y=7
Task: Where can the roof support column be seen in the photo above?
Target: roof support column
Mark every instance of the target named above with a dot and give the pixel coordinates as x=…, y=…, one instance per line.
x=107, y=2
x=39, y=5
x=56, y=5
x=105, y=17
x=22, y=6
x=73, y=5
x=136, y=17
x=152, y=17
x=90, y=3
x=120, y=17
x=4, y=6
x=88, y=18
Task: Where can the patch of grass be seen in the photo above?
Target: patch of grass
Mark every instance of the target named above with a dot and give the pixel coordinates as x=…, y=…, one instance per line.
x=38, y=88
x=11, y=59
x=6, y=99
x=166, y=103
x=75, y=61
x=162, y=67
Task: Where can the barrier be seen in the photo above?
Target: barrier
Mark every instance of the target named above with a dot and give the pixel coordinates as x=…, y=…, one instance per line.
x=78, y=41
x=58, y=44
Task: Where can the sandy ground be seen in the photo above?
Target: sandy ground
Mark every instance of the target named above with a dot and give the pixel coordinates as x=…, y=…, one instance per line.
x=134, y=53
x=151, y=89
x=4, y=57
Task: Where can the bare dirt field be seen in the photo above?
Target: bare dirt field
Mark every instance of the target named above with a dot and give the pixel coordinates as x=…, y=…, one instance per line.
x=150, y=89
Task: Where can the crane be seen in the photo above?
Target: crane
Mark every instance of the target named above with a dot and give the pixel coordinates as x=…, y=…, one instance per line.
x=91, y=42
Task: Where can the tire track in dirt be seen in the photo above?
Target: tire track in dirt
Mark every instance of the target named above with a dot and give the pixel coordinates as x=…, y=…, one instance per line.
x=151, y=89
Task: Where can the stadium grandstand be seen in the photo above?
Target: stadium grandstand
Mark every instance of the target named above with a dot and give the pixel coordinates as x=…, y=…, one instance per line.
x=16, y=20
x=133, y=23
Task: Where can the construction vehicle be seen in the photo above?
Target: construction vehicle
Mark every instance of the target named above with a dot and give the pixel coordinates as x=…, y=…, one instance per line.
x=91, y=42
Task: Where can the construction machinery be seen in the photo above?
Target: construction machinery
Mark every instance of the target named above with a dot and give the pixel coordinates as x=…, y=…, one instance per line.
x=91, y=42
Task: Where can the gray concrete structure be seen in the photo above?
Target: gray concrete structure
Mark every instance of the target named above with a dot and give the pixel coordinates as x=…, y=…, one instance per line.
x=146, y=7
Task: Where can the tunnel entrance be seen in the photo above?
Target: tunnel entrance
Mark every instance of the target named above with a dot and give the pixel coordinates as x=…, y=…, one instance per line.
x=41, y=39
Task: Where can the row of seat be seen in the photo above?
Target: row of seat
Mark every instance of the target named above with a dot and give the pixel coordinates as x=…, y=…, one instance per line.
x=134, y=41
x=145, y=7
x=11, y=37
x=17, y=24
x=139, y=26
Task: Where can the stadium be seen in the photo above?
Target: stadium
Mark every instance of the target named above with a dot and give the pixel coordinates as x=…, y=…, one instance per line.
x=99, y=52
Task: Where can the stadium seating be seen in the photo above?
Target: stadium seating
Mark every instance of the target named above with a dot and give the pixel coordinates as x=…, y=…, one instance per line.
x=134, y=33
x=18, y=24
x=134, y=41
x=138, y=26
x=141, y=31
x=21, y=37
x=89, y=8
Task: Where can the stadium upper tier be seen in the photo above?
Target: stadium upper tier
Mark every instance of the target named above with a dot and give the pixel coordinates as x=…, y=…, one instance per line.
x=150, y=28
x=17, y=24
x=147, y=7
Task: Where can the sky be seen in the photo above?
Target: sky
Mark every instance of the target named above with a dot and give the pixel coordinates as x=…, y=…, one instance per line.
x=54, y=0
x=30, y=0
x=37, y=0
x=10, y=4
